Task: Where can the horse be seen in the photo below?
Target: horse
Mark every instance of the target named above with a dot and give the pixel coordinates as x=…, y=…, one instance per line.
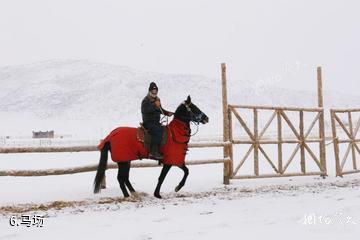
x=125, y=147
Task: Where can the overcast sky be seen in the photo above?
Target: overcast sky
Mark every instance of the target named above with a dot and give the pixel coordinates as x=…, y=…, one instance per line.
x=269, y=42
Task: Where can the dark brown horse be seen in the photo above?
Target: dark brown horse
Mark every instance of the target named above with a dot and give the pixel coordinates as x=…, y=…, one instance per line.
x=124, y=147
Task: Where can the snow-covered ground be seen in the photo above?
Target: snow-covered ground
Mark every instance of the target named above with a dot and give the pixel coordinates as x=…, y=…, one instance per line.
x=205, y=209
x=85, y=112
x=81, y=68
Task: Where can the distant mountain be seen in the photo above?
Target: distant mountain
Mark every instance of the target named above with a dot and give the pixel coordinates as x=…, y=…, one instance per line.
x=83, y=90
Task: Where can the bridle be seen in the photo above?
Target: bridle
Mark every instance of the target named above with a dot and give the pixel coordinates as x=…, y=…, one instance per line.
x=197, y=118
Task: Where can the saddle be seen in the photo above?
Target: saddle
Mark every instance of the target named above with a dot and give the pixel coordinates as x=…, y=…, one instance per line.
x=144, y=136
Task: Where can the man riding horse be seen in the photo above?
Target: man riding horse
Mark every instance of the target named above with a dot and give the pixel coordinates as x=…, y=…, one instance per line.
x=125, y=146
x=151, y=110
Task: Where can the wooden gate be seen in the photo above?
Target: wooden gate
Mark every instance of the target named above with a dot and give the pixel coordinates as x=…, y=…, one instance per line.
x=257, y=142
x=348, y=136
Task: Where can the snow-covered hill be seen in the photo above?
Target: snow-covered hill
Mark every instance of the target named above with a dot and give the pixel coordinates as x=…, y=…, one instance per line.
x=82, y=89
x=42, y=94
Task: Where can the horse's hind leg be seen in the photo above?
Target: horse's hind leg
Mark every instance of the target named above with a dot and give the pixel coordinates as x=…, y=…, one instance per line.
x=162, y=176
x=121, y=178
x=103, y=182
x=127, y=181
x=183, y=180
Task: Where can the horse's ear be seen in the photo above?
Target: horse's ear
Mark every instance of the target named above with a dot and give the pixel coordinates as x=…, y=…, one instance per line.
x=188, y=100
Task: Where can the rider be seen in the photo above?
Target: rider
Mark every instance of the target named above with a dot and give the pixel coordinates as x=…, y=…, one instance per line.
x=151, y=110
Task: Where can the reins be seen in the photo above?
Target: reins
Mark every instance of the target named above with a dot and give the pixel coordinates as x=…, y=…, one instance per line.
x=161, y=120
x=195, y=122
x=197, y=128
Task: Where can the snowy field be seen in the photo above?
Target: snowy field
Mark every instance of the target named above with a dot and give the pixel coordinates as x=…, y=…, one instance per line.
x=205, y=209
x=81, y=68
x=299, y=207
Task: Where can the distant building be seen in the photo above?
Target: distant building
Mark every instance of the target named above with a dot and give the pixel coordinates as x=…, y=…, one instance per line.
x=47, y=134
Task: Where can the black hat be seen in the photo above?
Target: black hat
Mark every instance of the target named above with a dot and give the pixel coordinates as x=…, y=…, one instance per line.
x=153, y=86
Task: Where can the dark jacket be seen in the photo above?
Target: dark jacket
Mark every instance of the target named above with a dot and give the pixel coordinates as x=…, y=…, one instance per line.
x=150, y=113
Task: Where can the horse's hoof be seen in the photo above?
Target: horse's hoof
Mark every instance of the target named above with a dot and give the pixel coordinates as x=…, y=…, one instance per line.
x=157, y=195
x=135, y=194
x=177, y=188
x=132, y=198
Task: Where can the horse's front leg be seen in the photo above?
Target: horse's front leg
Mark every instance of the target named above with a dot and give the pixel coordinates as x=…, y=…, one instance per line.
x=162, y=176
x=183, y=180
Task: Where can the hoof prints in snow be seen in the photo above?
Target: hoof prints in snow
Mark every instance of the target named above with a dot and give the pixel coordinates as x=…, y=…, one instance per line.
x=143, y=199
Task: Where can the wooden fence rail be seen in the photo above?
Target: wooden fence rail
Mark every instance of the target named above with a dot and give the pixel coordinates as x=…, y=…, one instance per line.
x=90, y=168
x=90, y=148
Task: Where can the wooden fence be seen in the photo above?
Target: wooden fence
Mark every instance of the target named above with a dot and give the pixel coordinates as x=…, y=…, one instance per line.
x=257, y=142
x=350, y=139
x=90, y=168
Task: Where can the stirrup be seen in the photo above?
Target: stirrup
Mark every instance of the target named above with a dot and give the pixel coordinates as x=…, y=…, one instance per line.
x=159, y=157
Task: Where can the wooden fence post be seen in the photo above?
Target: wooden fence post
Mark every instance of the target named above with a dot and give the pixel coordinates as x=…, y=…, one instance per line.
x=231, y=139
x=280, y=139
x=302, y=143
x=336, y=144
x=352, y=141
x=226, y=126
x=256, y=143
x=321, y=123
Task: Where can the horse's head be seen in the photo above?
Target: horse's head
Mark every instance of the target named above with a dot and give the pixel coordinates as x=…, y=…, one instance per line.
x=189, y=112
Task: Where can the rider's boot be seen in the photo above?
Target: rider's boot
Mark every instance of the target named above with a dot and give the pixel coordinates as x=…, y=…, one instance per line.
x=155, y=153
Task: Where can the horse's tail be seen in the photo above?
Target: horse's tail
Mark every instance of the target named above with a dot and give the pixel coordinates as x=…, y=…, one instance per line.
x=102, y=166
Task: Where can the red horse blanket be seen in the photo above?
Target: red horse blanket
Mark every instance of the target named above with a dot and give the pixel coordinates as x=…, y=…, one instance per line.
x=126, y=147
